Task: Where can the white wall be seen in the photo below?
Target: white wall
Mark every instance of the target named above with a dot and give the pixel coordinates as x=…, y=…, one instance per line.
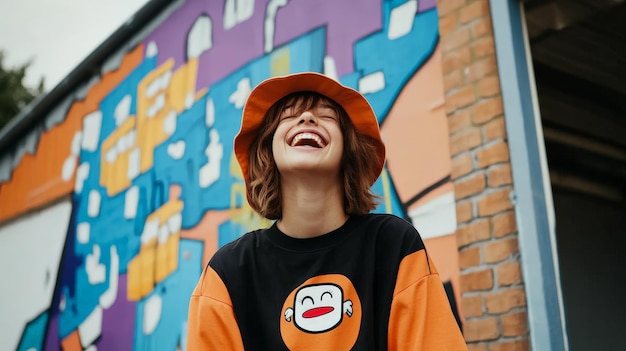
x=30, y=253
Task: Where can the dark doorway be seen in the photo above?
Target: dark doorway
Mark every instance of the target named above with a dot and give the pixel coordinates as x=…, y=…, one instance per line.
x=578, y=50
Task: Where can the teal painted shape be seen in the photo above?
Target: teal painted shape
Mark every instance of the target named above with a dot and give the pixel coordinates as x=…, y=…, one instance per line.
x=34, y=334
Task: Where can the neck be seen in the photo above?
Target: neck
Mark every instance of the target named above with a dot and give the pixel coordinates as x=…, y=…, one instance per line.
x=311, y=208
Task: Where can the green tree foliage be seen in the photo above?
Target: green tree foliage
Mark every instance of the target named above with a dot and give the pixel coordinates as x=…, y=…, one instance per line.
x=14, y=95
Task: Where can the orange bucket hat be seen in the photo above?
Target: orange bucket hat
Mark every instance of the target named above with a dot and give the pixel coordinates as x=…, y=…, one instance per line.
x=268, y=92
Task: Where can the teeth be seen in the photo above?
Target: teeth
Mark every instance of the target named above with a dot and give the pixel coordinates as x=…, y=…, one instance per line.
x=309, y=136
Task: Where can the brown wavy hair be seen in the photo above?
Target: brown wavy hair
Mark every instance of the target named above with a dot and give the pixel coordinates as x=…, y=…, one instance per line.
x=359, y=151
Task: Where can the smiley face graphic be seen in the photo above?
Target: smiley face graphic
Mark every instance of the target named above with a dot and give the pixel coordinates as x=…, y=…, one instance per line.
x=319, y=308
x=324, y=311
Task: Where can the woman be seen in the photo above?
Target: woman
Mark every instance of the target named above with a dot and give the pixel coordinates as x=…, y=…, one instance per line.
x=327, y=275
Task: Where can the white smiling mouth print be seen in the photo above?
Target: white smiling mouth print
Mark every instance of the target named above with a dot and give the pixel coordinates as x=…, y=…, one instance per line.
x=308, y=139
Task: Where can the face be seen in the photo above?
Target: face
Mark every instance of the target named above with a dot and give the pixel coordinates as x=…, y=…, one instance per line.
x=308, y=141
x=318, y=308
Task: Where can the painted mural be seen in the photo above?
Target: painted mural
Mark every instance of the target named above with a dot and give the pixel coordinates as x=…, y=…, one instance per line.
x=109, y=213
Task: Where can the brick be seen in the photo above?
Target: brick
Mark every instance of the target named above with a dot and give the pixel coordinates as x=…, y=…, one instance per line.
x=487, y=109
x=469, y=257
x=495, y=202
x=455, y=39
x=448, y=23
x=459, y=120
x=473, y=232
x=499, y=250
x=477, y=347
x=477, y=281
x=504, y=301
x=499, y=175
x=492, y=154
x=456, y=59
x=460, y=98
x=464, y=211
x=509, y=273
x=495, y=129
x=482, y=68
x=444, y=7
x=481, y=27
x=469, y=186
x=517, y=345
x=483, y=47
x=488, y=86
x=481, y=329
x=514, y=324
x=472, y=306
x=461, y=165
x=504, y=224
x=473, y=11
x=464, y=140
x=453, y=80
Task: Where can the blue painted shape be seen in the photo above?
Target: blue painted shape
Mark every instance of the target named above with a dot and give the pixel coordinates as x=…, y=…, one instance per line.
x=398, y=59
x=307, y=52
x=34, y=334
x=110, y=227
x=396, y=207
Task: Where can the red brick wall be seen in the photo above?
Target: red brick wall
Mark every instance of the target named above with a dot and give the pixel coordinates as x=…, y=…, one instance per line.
x=493, y=296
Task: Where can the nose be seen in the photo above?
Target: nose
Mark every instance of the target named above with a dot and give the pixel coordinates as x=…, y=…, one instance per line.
x=307, y=118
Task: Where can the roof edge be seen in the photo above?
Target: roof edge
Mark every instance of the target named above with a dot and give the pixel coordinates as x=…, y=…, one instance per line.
x=89, y=67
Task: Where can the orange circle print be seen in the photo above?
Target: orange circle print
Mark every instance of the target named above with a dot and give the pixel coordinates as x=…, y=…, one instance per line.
x=323, y=313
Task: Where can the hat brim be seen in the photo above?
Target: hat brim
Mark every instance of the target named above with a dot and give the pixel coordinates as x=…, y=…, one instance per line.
x=268, y=92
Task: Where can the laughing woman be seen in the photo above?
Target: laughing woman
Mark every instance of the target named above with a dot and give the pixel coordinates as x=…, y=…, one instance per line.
x=328, y=274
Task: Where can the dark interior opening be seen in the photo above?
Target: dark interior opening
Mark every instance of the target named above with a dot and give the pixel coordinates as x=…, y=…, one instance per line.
x=578, y=50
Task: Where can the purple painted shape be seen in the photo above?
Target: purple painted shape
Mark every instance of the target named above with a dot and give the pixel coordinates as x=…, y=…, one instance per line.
x=231, y=49
x=53, y=343
x=425, y=5
x=118, y=321
x=235, y=47
x=345, y=21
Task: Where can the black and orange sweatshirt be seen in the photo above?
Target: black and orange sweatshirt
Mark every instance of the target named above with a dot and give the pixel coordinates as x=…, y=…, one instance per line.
x=369, y=285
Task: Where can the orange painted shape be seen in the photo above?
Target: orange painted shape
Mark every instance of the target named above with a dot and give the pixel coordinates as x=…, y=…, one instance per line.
x=169, y=209
x=416, y=132
x=183, y=86
x=117, y=151
x=167, y=257
x=38, y=180
x=162, y=95
x=72, y=342
x=207, y=231
x=158, y=255
x=141, y=271
x=152, y=110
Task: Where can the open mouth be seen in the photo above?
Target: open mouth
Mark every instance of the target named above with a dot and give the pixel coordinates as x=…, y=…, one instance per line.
x=308, y=139
x=318, y=311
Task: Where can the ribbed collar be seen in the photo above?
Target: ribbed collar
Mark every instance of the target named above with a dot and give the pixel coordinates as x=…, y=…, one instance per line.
x=321, y=242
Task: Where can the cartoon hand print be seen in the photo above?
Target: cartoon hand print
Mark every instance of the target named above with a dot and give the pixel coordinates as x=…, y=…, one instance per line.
x=347, y=308
x=288, y=314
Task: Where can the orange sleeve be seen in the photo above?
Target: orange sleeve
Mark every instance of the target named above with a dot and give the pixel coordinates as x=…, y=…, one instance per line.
x=421, y=317
x=211, y=323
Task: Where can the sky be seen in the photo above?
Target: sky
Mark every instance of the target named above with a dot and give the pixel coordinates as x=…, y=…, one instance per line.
x=57, y=35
